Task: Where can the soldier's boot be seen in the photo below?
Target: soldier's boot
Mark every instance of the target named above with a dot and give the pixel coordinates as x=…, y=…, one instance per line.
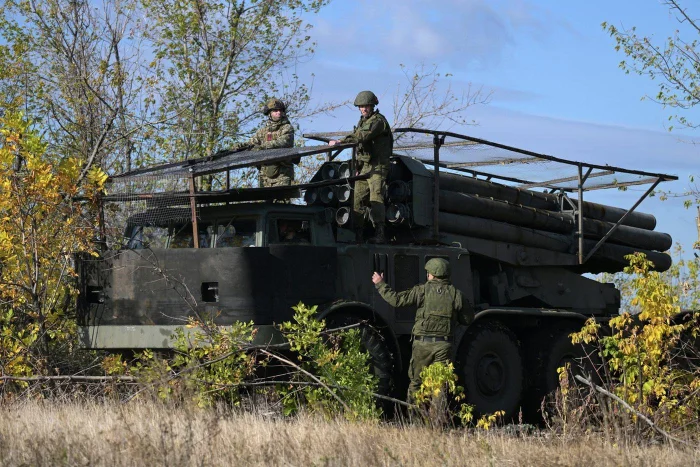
x=378, y=235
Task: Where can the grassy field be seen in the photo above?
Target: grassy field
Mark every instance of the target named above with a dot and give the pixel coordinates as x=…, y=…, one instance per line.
x=150, y=434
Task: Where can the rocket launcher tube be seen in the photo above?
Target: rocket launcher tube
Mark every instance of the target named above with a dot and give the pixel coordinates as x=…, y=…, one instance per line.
x=547, y=201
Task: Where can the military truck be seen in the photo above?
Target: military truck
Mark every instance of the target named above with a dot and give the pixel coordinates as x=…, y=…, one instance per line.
x=520, y=237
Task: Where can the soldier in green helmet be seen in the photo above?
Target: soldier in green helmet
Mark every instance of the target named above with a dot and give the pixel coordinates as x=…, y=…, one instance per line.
x=277, y=132
x=375, y=144
x=440, y=307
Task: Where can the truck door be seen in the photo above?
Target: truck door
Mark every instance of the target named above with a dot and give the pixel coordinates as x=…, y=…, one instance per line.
x=406, y=274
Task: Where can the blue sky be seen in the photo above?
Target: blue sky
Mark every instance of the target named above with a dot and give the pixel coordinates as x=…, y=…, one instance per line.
x=552, y=70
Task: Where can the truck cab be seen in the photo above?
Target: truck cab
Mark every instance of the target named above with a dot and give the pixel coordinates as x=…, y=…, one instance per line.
x=244, y=269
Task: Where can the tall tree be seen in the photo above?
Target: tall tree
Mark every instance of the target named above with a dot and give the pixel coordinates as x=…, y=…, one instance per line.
x=41, y=227
x=217, y=62
x=121, y=83
x=75, y=74
x=673, y=63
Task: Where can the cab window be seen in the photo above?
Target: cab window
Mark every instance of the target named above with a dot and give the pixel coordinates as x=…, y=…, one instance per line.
x=293, y=231
x=181, y=235
x=147, y=236
x=236, y=233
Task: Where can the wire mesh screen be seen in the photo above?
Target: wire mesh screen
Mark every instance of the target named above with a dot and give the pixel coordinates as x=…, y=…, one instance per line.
x=160, y=195
x=148, y=199
x=227, y=161
x=513, y=166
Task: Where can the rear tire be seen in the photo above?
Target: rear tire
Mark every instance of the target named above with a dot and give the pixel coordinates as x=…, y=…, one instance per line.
x=561, y=353
x=582, y=360
x=686, y=352
x=551, y=349
x=492, y=370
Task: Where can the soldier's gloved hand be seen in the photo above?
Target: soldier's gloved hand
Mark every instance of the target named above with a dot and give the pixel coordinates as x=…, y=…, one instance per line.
x=377, y=278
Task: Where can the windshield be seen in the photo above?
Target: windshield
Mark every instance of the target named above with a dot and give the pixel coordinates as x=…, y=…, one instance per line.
x=221, y=234
x=147, y=236
x=236, y=233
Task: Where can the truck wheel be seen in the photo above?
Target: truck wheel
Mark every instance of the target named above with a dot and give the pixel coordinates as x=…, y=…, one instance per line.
x=492, y=370
x=686, y=352
x=562, y=352
x=382, y=359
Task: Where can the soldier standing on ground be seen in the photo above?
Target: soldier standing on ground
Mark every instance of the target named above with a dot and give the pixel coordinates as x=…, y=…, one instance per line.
x=277, y=132
x=440, y=306
x=375, y=145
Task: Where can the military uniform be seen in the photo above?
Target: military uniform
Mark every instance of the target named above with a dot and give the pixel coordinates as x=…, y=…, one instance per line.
x=272, y=135
x=440, y=307
x=375, y=145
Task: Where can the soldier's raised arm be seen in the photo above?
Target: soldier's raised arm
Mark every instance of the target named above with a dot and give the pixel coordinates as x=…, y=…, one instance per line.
x=397, y=299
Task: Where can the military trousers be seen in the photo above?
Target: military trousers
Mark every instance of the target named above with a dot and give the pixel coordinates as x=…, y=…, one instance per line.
x=370, y=193
x=284, y=175
x=425, y=354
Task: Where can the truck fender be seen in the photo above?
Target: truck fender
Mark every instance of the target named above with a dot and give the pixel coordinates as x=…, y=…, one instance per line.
x=493, y=314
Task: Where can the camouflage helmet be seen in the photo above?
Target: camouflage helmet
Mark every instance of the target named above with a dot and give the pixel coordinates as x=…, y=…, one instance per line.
x=366, y=98
x=438, y=267
x=273, y=104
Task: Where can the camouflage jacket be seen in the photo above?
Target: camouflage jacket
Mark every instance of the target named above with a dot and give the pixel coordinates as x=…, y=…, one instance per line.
x=374, y=139
x=439, y=306
x=273, y=135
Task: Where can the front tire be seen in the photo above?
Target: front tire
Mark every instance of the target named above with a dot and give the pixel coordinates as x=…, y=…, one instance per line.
x=376, y=345
x=492, y=370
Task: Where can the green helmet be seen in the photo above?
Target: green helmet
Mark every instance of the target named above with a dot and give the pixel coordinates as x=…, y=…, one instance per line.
x=438, y=267
x=273, y=104
x=366, y=98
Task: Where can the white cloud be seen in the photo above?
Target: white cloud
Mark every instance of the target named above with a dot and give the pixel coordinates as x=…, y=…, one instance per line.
x=461, y=33
x=409, y=32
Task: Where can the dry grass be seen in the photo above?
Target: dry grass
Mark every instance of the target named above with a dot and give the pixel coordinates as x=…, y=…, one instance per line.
x=150, y=434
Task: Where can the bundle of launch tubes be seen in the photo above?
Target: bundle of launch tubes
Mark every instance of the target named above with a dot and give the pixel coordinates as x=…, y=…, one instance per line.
x=468, y=207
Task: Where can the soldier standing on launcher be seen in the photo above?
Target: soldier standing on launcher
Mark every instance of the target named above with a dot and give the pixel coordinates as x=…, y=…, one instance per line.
x=277, y=132
x=439, y=307
x=375, y=144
